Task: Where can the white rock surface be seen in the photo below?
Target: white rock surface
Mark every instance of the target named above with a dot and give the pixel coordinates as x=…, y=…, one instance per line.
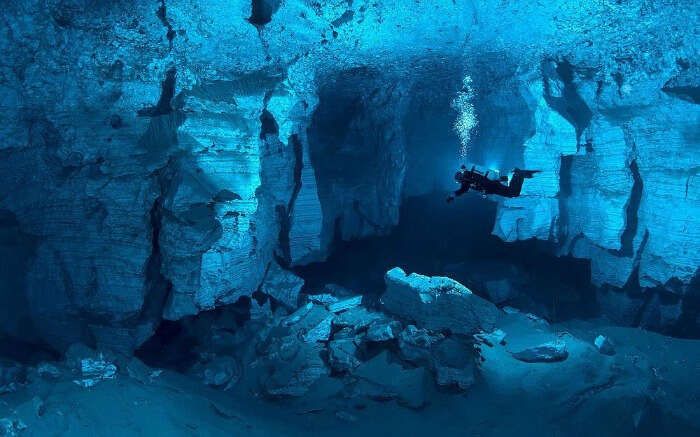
x=437, y=303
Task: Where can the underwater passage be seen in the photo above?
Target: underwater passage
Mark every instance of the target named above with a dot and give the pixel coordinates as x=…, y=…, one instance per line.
x=228, y=217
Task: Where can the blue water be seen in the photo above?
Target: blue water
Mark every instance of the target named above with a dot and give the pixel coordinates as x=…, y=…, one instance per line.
x=230, y=217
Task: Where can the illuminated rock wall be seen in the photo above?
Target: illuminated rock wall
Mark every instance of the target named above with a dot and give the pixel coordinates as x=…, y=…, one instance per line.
x=159, y=155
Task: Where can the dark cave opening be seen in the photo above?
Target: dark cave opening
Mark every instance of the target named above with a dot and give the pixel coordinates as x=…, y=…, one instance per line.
x=357, y=151
x=262, y=11
x=174, y=343
x=170, y=346
x=285, y=212
x=564, y=193
x=17, y=249
x=562, y=95
x=269, y=125
x=439, y=239
x=163, y=107
x=358, y=138
x=631, y=212
x=375, y=139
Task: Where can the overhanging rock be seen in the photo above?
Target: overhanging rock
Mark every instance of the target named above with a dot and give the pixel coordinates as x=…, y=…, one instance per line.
x=437, y=303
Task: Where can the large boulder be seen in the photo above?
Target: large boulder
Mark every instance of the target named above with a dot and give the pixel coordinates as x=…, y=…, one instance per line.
x=437, y=303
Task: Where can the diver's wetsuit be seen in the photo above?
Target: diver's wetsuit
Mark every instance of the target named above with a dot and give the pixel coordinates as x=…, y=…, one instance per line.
x=515, y=185
x=469, y=180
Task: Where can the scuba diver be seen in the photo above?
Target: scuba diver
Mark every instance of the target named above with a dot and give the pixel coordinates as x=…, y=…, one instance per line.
x=491, y=182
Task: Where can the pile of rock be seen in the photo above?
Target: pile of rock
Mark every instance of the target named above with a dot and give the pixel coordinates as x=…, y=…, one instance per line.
x=420, y=336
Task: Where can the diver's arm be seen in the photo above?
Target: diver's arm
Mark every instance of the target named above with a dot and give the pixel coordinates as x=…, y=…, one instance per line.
x=463, y=189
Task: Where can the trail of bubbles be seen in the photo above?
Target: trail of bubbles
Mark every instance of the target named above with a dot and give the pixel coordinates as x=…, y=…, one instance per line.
x=466, y=117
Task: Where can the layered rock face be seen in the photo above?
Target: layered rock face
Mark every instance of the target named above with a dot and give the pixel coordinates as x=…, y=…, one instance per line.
x=618, y=146
x=604, y=173
x=158, y=156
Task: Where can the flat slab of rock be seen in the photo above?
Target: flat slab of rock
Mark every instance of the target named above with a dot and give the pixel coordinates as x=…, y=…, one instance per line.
x=311, y=322
x=322, y=299
x=341, y=354
x=357, y=318
x=437, y=303
x=383, y=330
x=320, y=332
x=545, y=353
x=282, y=285
x=345, y=304
x=297, y=315
x=381, y=379
x=295, y=365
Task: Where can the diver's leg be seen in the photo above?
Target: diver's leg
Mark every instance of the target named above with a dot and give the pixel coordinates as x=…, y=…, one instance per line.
x=515, y=185
x=528, y=173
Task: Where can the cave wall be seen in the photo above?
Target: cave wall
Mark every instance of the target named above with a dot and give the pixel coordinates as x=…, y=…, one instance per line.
x=603, y=175
x=157, y=154
x=358, y=153
x=160, y=155
x=622, y=161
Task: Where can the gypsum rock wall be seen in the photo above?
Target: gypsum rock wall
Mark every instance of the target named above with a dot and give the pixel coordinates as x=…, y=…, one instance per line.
x=159, y=155
x=619, y=183
x=155, y=160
